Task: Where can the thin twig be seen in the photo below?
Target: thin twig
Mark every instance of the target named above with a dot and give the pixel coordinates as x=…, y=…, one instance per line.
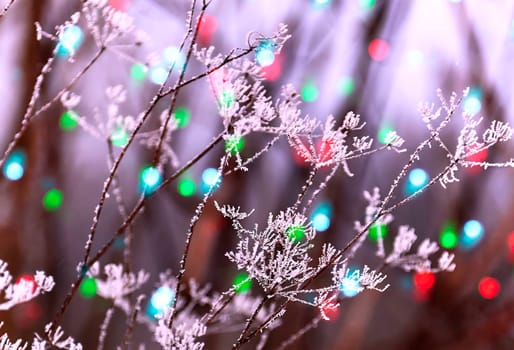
x=29, y=114
x=131, y=322
x=293, y=338
x=103, y=328
x=189, y=238
x=133, y=214
x=6, y=8
x=249, y=322
x=174, y=95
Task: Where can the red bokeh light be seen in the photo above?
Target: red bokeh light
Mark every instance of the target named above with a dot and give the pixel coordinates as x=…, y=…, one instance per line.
x=489, y=287
x=424, y=281
x=325, y=150
x=274, y=70
x=332, y=311
x=120, y=5
x=27, y=278
x=477, y=157
x=206, y=29
x=378, y=50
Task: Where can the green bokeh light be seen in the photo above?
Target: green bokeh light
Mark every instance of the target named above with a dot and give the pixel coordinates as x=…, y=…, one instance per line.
x=367, y=4
x=347, y=86
x=309, y=92
x=234, y=144
x=242, y=283
x=227, y=97
x=295, y=233
x=186, y=187
x=52, y=199
x=119, y=137
x=88, y=287
x=182, y=116
x=69, y=120
x=138, y=71
x=383, y=131
x=376, y=231
x=448, y=237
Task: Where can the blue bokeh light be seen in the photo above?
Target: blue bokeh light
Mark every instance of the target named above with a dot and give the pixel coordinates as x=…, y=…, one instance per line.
x=265, y=53
x=149, y=180
x=158, y=75
x=472, y=233
x=416, y=180
x=69, y=40
x=320, y=217
x=14, y=166
x=211, y=179
x=161, y=299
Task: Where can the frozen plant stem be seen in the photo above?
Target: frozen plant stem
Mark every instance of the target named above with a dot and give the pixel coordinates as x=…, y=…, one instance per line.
x=6, y=8
x=164, y=127
x=381, y=212
x=293, y=338
x=249, y=322
x=128, y=221
x=29, y=114
x=189, y=237
x=159, y=95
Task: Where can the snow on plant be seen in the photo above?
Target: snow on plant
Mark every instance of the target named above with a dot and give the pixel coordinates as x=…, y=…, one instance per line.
x=24, y=289
x=279, y=255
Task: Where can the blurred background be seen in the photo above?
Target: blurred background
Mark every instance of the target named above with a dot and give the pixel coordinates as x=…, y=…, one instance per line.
x=377, y=58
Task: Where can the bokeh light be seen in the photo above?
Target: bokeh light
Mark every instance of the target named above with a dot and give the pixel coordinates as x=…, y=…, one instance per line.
x=173, y=57
x=69, y=120
x=309, y=91
x=211, y=179
x=70, y=40
x=120, y=137
x=350, y=286
x=320, y=4
x=274, y=70
x=295, y=233
x=265, y=53
x=149, y=179
x=416, y=180
x=14, y=166
x=138, y=72
x=158, y=74
x=88, y=287
x=27, y=279
x=119, y=5
x=242, y=283
x=234, y=144
x=472, y=233
x=186, y=186
x=206, y=29
x=424, y=281
x=472, y=103
x=160, y=301
x=376, y=231
x=489, y=288
x=226, y=98
x=448, y=237
x=320, y=216
x=367, y=4
x=182, y=116
x=52, y=200
x=384, y=130
x=378, y=50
